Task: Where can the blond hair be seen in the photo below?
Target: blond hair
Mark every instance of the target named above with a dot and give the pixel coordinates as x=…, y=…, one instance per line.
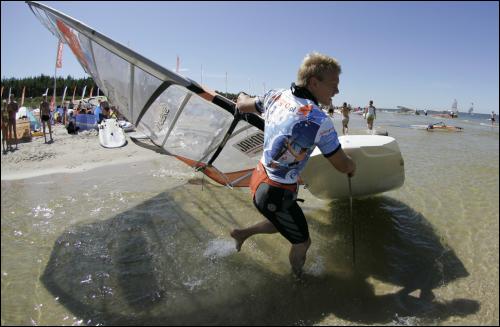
x=316, y=65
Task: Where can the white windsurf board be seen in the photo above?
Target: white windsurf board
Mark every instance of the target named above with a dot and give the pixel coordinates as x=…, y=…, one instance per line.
x=379, y=168
x=111, y=135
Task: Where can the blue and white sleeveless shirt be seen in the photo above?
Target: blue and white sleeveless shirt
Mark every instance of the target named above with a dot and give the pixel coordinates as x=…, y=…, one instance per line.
x=294, y=126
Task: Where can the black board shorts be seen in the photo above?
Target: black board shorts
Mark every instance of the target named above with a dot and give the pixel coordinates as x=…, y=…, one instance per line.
x=45, y=117
x=281, y=208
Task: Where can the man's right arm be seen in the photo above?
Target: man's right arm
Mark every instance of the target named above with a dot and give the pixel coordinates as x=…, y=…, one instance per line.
x=246, y=104
x=342, y=162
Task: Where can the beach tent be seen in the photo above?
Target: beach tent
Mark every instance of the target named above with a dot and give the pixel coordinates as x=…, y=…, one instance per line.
x=28, y=113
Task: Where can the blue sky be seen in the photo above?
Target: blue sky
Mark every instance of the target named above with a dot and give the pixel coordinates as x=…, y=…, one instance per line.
x=415, y=54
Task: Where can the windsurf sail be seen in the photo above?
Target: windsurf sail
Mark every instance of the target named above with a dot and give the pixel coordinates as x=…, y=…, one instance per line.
x=186, y=120
x=471, y=109
x=454, y=106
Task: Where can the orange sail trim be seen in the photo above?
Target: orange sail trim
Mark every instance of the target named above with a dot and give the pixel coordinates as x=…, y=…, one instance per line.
x=220, y=177
x=224, y=178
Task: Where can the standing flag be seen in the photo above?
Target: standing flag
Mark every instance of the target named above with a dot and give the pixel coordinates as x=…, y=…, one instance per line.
x=10, y=93
x=22, y=96
x=46, y=92
x=52, y=103
x=178, y=66
x=91, y=90
x=97, y=92
x=83, y=93
x=58, y=65
x=59, y=55
x=73, y=99
x=64, y=95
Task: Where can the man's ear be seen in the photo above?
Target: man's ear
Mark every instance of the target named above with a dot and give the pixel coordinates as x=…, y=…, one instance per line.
x=313, y=81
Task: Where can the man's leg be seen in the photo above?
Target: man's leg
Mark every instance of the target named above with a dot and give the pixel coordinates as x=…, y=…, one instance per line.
x=240, y=235
x=15, y=132
x=297, y=256
x=50, y=130
x=43, y=128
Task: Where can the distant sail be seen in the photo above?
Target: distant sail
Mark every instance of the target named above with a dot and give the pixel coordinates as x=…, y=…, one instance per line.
x=194, y=124
x=454, y=106
x=471, y=109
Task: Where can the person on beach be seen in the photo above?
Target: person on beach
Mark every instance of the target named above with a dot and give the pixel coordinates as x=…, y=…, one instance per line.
x=294, y=125
x=370, y=115
x=45, y=117
x=345, y=118
x=65, y=113
x=330, y=110
x=113, y=113
x=493, y=118
x=5, y=126
x=105, y=111
x=12, y=109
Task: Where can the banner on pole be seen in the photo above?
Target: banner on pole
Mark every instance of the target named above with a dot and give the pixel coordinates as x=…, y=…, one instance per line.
x=59, y=55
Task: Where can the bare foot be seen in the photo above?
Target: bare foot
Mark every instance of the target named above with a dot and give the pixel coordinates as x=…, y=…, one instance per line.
x=239, y=238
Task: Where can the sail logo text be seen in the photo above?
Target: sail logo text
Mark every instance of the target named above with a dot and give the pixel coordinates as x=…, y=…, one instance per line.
x=163, y=116
x=251, y=145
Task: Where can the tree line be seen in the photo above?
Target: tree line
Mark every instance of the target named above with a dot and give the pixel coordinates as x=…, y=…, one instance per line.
x=37, y=85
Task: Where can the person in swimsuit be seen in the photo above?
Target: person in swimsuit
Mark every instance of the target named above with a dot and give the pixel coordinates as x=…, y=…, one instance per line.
x=45, y=117
x=294, y=125
x=371, y=114
x=5, y=126
x=345, y=118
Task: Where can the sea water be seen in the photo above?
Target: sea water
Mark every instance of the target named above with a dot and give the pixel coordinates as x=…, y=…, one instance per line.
x=148, y=244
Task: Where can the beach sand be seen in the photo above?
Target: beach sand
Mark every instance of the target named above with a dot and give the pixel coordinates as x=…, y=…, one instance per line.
x=68, y=154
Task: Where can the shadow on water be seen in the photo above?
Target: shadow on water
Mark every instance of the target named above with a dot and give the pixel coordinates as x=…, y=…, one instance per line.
x=146, y=267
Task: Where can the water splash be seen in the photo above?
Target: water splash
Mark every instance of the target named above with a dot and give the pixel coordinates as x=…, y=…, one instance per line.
x=219, y=248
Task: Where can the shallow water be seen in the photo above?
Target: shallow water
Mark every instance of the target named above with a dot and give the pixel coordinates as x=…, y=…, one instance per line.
x=148, y=244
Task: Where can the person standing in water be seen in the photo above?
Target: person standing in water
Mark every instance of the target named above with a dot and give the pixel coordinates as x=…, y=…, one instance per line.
x=370, y=115
x=294, y=125
x=345, y=118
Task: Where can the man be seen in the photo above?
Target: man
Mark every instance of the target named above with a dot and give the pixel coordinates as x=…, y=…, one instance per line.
x=371, y=114
x=345, y=118
x=294, y=126
x=45, y=117
x=493, y=118
x=12, y=109
x=5, y=126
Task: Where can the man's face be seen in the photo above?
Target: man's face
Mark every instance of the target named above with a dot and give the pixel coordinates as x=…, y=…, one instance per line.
x=326, y=88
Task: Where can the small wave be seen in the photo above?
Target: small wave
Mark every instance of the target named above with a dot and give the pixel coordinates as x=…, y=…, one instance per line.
x=46, y=212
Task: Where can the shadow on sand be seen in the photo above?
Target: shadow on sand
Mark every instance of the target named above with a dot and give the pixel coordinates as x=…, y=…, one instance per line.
x=147, y=266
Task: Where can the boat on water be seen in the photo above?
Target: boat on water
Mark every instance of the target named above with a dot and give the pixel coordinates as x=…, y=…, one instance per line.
x=438, y=127
x=406, y=111
x=452, y=113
